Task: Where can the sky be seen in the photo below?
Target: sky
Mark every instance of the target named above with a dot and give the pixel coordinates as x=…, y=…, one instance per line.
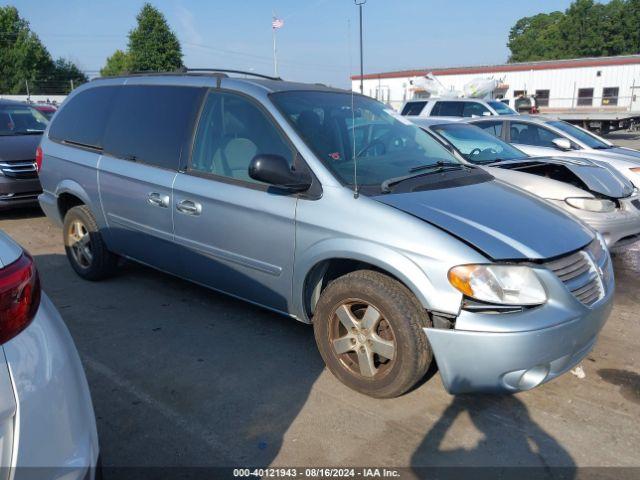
x=318, y=43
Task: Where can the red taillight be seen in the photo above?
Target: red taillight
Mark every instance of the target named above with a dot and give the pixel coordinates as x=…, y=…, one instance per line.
x=39, y=156
x=19, y=296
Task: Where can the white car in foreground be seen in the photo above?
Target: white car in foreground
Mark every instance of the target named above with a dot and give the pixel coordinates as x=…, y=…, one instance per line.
x=47, y=424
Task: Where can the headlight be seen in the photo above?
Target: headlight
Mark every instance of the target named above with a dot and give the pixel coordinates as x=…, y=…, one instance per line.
x=501, y=284
x=591, y=204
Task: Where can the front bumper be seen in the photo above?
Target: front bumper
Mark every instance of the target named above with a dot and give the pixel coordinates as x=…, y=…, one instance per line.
x=55, y=427
x=16, y=192
x=619, y=228
x=511, y=352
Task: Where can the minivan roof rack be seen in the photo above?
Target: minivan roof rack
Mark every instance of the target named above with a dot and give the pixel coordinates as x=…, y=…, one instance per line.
x=226, y=70
x=217, y=72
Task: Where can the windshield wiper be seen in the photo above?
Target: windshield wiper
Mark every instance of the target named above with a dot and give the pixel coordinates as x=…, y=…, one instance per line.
x=420, y=171
x=30, y=132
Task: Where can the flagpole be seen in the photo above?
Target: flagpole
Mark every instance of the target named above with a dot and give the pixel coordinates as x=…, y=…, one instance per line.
x=275, y=51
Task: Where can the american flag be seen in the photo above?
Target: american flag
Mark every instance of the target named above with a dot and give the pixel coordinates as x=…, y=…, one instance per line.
x=277, y=23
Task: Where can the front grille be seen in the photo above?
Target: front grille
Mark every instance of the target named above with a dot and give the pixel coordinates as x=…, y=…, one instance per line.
x=636, y=203
x=19, y=168
x=582, y=272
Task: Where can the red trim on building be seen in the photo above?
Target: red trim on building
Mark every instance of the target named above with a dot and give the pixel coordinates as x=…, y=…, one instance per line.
x=514, y=67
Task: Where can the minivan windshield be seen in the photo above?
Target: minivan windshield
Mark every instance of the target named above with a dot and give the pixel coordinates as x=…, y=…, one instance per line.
x=476, y=145
x=346, y=130
x=502, y=108
x=580, y=135
x=21, y=120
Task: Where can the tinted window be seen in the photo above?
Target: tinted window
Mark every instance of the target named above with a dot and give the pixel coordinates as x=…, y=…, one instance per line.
x=542, y=98
x=83, y=118
x=476, y=145
x=447, y=109
x=16, y=119
x=585, y=96
x=530, y=134
x=232, y=130
x=610, y=96
x=581, y=135
x=474, y=109
x=494, y=128
x=152, y=124
x=501, y=108
x=346, y=130
x=413, y=108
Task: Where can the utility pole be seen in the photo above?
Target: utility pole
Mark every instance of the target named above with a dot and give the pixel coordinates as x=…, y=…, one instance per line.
x=360, y=3
x=71, y=82
x=26, y=83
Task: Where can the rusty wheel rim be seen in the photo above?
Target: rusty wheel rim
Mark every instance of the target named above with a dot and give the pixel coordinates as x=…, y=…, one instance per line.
x=362, y=339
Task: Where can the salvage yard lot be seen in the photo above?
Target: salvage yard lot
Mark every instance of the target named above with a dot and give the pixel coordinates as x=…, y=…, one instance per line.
x=181, y=376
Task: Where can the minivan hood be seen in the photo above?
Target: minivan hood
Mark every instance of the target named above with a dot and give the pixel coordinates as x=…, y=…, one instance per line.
x=598, y=177
x=19, y=147
x=501, y=221
x=629, y=152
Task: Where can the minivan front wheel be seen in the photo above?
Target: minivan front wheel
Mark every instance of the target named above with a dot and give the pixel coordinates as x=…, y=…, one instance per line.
x=86, y=251
x=368, y=328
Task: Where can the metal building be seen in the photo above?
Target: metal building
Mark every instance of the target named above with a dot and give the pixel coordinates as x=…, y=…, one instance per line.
x=589, y=85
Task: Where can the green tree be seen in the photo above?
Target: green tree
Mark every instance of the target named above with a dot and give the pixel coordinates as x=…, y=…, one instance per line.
x=535, y=38
x=24, y=59
x=117, y=64
x=66, y=75
x=585, y=29
x=152, y=44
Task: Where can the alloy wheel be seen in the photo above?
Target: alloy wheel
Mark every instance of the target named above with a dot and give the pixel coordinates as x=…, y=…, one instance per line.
x=362, y=339
x=79, y=242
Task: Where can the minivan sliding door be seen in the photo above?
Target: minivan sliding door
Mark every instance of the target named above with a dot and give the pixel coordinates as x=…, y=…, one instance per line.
x=149, y=130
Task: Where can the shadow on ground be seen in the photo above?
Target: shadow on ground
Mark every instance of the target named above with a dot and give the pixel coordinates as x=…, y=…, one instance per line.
x=510, y=443
x=21, y=213
x=181, y=375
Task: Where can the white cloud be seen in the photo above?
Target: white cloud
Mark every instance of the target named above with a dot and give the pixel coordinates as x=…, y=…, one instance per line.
x=188, y=25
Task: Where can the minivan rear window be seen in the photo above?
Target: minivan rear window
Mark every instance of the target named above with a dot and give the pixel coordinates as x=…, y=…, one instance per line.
x=152, y=124
x=83, y=118
x=413, y=108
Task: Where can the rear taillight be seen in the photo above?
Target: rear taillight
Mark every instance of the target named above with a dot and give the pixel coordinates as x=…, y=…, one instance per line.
x=19, y=296
x=39, y=156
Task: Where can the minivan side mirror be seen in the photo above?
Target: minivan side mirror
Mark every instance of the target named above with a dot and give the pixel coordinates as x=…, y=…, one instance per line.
x=275, y=170
x=561, y=143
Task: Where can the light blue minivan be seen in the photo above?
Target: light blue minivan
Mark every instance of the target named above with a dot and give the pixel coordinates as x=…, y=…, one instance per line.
x=328, y=207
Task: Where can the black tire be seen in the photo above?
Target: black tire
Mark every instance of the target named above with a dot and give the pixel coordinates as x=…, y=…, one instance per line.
x=98, y=262
x=402, y=321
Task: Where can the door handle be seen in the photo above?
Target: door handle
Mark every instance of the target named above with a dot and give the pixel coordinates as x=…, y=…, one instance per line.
x=158, y=200
x=189, y=207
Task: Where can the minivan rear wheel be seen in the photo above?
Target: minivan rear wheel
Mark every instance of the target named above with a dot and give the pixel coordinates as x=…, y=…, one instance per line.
x=85, y=249
x=368, y=328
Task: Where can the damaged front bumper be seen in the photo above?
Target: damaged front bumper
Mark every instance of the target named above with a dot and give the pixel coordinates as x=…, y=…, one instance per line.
x=511, y=352
x=619, y=228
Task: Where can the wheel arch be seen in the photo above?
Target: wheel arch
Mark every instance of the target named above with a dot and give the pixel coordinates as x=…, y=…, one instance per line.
x=325, y=262
x=70, y=194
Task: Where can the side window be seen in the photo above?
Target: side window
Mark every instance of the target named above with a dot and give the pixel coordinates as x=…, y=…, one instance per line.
x=83, y=118
x=413, y=108
x=152, y=124
x=474, y=109
x=233, y=130
x=447, y=109
x=494, y=128
x=529, y=134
